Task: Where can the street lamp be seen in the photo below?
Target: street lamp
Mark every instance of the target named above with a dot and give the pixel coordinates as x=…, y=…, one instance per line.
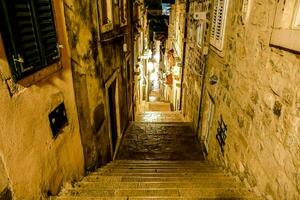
x=150, y=66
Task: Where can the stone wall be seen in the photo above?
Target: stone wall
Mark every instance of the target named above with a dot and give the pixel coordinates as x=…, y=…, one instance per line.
x=258, y=97
x=35, y=162
x=194, y=62
x=95, y=57
x=174, y=55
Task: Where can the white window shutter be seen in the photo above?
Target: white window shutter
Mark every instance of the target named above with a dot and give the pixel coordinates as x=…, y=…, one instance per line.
x=199, y=36
x=218, y=24
x=213, y=24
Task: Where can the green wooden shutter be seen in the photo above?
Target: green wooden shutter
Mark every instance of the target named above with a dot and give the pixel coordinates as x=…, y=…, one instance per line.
x=45, y=21
x=29, y=35
x=22, y=43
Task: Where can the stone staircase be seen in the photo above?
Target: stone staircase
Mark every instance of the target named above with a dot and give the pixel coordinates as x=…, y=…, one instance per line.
x=165, y=116
x=140, y=179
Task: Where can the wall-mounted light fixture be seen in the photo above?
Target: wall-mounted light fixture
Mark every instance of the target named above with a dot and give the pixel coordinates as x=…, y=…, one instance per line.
x=213, y=79
x=125, y=47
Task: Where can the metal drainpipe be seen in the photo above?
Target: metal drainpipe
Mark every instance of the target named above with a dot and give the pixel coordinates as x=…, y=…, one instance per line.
x=187, y=7
x=132, y=56
x=97, y=21
x=202, y=95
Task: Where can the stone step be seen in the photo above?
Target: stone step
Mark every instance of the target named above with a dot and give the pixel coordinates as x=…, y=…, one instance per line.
x=162, y=165
x=175, y=134
x=155, y=174
x=150, y=198
x=159, y=167
x=164, y=124
x=192, y=155
x=144, y=170
x=163, y=162
x=227, y=183
x=156, y=179
x=156, y=170
x=170, y=192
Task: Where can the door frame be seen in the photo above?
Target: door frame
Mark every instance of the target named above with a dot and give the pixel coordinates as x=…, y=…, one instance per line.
x=114, y=78
x=204, y=133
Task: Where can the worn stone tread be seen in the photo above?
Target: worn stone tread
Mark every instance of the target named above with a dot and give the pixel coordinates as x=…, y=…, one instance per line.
x=141, y=174
x=156, y=165
x=163, y=162
x=152, y=198
x=157, y=170
x=199, y=184
x=176, y=192
x=155, y=179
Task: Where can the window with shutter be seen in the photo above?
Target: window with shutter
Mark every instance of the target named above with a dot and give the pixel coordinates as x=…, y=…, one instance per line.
x=47, y=30
x=218, y=24
x=27, y=28
x=286, y=28
x=105, y=14
x=199, y=38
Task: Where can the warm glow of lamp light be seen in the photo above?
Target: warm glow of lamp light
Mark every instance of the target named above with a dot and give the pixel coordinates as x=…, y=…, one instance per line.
x=150, y=66
x=157, y=57
x=147, y=54
x=154, y=77
x=176, y=70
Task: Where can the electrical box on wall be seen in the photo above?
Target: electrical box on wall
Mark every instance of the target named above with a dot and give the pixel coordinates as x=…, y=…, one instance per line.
x=58, y=119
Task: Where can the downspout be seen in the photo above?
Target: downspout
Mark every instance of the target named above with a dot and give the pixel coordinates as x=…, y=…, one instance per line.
x=132, y=56
x=187, y=7
x=97, y=21
x=202, y=94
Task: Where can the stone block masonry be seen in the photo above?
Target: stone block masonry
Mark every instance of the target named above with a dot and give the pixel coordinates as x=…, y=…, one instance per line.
x=258, y=96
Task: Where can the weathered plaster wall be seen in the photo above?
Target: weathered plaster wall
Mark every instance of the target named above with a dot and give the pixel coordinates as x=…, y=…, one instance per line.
x=83, y=38
x=5, y=190
x=95, y=57
x=258, y=96
x=35, y=162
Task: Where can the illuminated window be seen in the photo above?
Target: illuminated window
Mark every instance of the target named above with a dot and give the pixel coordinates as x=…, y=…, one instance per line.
x=286, y=29
x=106, y=15
x=218, y=24
x=29, y=36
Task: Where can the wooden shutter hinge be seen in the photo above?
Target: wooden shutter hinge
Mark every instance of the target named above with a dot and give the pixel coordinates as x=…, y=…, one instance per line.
x=19, y=59
x=59, y=47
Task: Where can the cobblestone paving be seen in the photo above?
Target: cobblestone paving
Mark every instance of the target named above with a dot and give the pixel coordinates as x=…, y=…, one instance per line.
x=160, y=141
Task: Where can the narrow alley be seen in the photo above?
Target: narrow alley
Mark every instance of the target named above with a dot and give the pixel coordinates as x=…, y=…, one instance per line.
x=149, y=99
